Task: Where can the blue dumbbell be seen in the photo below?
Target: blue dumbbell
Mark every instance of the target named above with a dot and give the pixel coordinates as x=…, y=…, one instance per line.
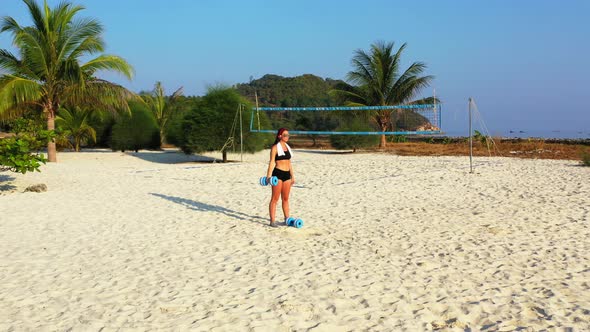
x=273, y=181
x=297, y=223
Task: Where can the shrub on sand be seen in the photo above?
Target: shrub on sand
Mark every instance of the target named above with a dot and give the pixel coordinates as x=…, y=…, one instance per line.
x=354, y=142
x=20, y=153
x=135, y=131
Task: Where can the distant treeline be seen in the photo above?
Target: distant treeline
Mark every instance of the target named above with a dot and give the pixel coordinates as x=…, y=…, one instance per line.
x=304, y=91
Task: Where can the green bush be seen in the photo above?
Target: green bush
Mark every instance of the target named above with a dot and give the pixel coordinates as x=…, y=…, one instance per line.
x=135, y=131
x=199, y=131
x=398, y=139
x=354, y=142
x=173, y=129
x=103, y=123
x=481, y=138
x=20, y=153
x=30, y=124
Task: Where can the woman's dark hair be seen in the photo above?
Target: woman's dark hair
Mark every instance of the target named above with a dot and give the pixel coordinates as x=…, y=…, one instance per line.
x=278, y=136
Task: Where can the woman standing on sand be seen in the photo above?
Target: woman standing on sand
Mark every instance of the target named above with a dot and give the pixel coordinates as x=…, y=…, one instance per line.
x=280, y=166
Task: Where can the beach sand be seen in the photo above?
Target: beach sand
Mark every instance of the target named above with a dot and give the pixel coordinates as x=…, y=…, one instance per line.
x=154, y=241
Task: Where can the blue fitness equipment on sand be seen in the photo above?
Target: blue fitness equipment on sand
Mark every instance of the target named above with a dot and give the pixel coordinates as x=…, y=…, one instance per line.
x=273, y=181
x=297, y=223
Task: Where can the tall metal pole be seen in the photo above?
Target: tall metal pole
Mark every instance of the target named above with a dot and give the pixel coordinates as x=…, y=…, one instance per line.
x=257, y=114
x=434, y=95
x=434, y=108
x=470, y=140
x=241, y=137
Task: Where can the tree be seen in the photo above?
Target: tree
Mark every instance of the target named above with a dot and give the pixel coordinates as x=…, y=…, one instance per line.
x=74, y=125
x=173, y=129
x=162, y=107
x=377, y=81
x=50, y=73
x=213, y=125
x=135, y=130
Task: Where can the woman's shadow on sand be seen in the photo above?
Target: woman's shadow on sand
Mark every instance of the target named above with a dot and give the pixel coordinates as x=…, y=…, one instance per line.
x=203, y=207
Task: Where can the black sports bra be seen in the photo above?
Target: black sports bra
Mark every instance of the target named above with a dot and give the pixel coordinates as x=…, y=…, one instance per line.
x=286, y=156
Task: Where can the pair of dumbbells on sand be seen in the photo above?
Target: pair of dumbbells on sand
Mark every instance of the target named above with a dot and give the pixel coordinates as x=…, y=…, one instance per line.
x=293, y=222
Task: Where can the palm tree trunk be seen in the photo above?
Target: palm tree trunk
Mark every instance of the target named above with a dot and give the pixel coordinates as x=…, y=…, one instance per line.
x=383, y=122
x=51, y=148
x=383, y=142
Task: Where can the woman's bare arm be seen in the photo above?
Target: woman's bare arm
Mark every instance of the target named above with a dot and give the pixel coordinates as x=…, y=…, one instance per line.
x=272, y=162
x=292, y=172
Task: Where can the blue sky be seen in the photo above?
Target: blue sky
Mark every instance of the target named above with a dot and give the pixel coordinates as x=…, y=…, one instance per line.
x=525, y=62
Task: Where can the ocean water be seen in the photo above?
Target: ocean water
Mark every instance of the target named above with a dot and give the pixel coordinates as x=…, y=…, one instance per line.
x=560, y=134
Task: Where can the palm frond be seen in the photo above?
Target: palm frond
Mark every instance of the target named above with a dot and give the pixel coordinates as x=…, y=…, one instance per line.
x=37, y=14
x=177, y=94
x=425, y=101
x=74, y=124
x=406, y=90
x=353, y=98
x=32, y=47
x=9, y=62
x=15, y=90
x=71, y=72
x=62, y=15
x=9, y=24
x=99, y=94
x=74, y=42
x=90, y=45
x=108, y=62
x=363, y=73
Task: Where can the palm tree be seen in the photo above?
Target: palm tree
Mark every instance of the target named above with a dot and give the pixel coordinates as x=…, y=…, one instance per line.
x=50, y=73
x=377, y=81
x=161, y=106
x=74, y=125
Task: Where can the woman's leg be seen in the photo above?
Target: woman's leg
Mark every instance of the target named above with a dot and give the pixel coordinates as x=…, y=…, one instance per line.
x=276, y=193
x=285, y=191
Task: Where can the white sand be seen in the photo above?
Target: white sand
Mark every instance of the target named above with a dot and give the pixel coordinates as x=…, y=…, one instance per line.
x=390, y=243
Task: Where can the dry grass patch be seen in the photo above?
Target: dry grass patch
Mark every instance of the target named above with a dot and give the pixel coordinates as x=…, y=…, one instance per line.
x=537, y=149
x=530, y=149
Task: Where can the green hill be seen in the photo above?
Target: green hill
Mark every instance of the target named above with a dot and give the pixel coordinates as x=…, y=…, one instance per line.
x=303, y=91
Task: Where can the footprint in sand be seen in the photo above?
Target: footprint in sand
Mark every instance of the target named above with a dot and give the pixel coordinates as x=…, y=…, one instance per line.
x=449, y=323
x=296, y=308
x=174, y=310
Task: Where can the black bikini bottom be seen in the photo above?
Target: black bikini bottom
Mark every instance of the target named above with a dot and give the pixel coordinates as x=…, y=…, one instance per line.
x=281, y=175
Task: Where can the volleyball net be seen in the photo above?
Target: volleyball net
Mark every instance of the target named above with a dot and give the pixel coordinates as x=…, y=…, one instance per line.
x=419, y=119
